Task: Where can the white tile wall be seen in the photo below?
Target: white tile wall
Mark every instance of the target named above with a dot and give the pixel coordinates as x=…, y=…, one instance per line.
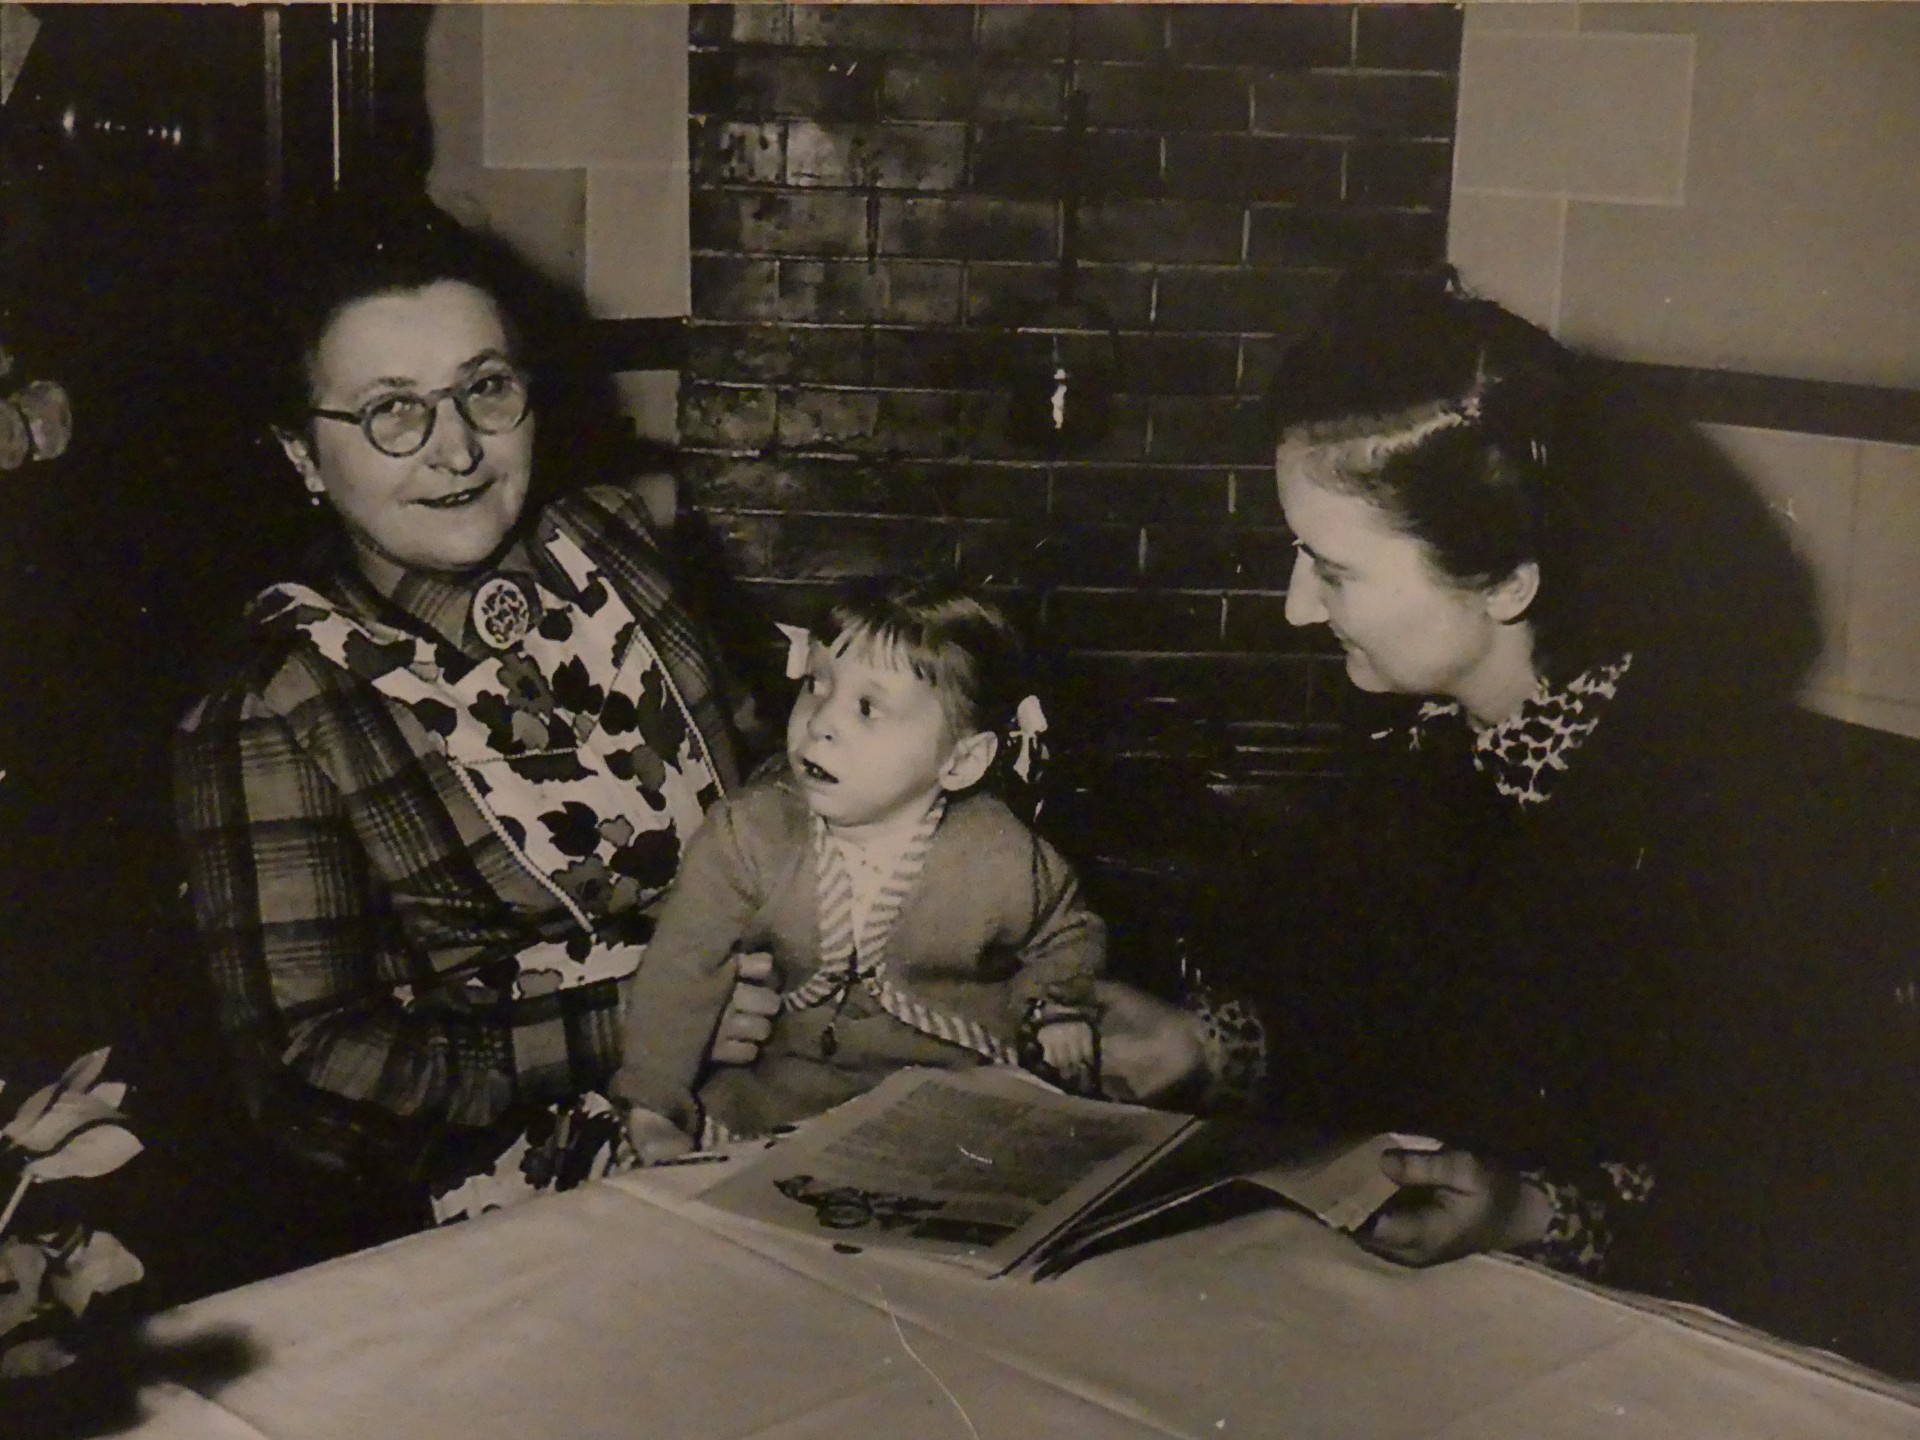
x=563, y=128
x=1568, y=126
x=1853, y=509
x=1585, y=116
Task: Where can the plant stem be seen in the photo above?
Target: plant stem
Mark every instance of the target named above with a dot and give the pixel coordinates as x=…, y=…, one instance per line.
x=19, y=1192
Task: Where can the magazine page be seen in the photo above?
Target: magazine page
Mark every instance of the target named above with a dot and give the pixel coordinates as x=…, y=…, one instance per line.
x=1228, y=1169
x=976, y=1166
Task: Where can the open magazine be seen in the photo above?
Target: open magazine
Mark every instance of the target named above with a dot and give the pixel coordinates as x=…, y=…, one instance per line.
x=996, y=1171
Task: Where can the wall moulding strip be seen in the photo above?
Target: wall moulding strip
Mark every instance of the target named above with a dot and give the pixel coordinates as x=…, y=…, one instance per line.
x=1779, y=402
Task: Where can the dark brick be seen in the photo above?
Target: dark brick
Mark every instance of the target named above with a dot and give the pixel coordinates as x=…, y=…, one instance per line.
x=884, y=27
x=1020, y=92
x=750, y=24
x=1114, y=494
x=1240, y=300
x=1001, y=294
x=1410, y=37
x=1253, y=167
x=901, y=291
x=726, y=418
x=709, y=24
x=869, y=487
x=827, y=419
x=832, y=546
x=1152, y=230
x=1412, y=172
x=1225, y=687
x=1178, y=365
x=1189, y=557
x=1228, y=557
x=1394, y=238
x=747, y=541
x=1032, y=555
x=1024, y=30
x=725, y=288
x=796, y=602
x=726, y=152
x=761, y=84
x=937, y=359
x=1129, y=620
x=1194, y=429
x=899, y=156
x=970, y=227
x=933, y=424
x=713, y=79
x=915, y=89
x=1256, y=497
x=1120, y=32
x=786, y=222
x=981, y=491
x=1259, y=623
x=1258, y=355
x=1028, y=160
x=1346, y=103
x=1293, y=37
x=715, y=482
x=1157, y=98
x=776, y=352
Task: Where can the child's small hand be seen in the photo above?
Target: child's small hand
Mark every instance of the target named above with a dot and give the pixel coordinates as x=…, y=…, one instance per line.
x=656, y=1138
x=1067, y=1046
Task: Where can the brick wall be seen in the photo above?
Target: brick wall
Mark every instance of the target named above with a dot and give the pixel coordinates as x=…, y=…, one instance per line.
x=876, y=205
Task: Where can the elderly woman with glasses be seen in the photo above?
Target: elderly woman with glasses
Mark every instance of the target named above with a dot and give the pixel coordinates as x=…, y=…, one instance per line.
x=428, y=815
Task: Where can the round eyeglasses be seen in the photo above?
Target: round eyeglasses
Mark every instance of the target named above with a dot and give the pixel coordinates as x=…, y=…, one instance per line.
x=401, y=425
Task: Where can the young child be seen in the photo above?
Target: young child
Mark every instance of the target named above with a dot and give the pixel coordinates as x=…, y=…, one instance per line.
x=913, y=920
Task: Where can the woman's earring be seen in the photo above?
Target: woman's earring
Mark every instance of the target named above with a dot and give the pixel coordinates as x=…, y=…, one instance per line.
x=313, y=498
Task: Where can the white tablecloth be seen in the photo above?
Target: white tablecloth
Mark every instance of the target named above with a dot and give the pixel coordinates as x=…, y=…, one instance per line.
x=625, y=1309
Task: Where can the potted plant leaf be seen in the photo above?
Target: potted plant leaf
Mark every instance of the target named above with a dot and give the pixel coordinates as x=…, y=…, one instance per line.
x=51, y=1271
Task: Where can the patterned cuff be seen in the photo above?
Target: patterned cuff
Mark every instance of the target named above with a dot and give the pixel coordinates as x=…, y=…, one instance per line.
x=1585, y=1213
x=1234, y=1042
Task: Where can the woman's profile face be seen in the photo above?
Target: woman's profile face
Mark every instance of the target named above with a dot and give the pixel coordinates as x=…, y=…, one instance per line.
x=1405, y=627
x=449, y=506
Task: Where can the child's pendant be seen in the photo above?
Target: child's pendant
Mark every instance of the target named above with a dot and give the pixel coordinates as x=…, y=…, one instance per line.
x=828, y=1044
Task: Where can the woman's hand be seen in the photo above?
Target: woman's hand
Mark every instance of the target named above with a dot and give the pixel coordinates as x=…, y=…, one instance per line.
x=1149, y=1050
x=748, y=1020
x=1453, y=1203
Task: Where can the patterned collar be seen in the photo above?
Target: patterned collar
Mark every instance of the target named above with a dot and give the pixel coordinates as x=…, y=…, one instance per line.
x=1527, y=751
x=443, y=604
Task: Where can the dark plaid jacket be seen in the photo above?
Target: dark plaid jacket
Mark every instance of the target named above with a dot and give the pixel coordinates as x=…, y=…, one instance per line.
x=352, y=901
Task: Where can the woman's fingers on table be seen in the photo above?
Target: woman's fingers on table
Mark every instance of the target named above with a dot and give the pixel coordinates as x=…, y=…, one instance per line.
x=1448, y=1200
x=1439, y=1169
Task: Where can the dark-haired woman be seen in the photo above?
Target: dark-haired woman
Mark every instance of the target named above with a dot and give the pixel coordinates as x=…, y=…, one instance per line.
x=429, y=814
x=1548, y=923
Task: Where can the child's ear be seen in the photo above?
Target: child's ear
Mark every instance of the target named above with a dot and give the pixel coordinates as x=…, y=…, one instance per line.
x=970, y=761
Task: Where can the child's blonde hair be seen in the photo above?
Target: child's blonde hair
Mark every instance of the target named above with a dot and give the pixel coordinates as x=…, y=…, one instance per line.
x=939, y=630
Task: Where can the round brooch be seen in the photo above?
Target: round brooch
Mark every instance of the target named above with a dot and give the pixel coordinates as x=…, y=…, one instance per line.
x=502, y=614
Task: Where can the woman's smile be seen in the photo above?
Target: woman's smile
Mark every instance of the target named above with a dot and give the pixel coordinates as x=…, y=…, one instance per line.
x=459, y=497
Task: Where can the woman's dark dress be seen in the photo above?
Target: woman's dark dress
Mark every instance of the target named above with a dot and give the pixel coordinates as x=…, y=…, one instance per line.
x=1675, y=962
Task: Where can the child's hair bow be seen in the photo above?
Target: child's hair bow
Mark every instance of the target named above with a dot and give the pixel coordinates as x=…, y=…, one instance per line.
x=1029, y=723
x=799, y=648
